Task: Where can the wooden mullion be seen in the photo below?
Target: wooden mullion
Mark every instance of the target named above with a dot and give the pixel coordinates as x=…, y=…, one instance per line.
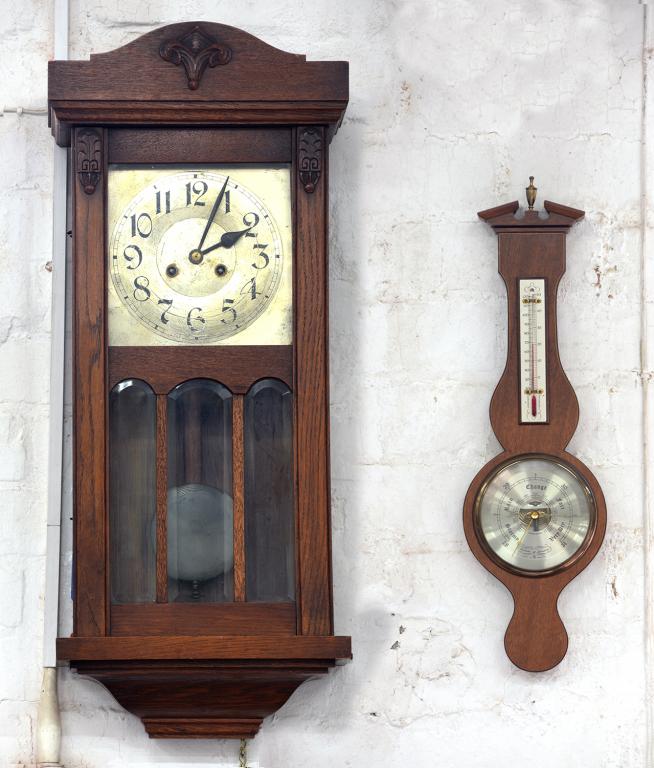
x=162, y=499
x=89, y=387
x=238, y=495
x=311, y=377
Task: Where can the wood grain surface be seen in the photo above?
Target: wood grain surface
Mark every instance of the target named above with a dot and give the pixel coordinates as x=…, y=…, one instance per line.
x=90, y=406
x=241, y=647
x=312, y=410
x=184, y=618
x=162, y=500
x=238, y=495
x=134, y=85
x=237, y=367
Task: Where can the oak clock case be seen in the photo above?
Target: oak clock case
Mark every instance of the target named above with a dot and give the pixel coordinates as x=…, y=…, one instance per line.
x=535, y=515
x=202, y=563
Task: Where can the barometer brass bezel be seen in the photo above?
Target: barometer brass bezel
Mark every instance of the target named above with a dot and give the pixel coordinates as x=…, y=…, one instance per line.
x=566, y=564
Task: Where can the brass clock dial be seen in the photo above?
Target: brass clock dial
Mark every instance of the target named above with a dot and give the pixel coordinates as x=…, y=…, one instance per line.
x=197, y=256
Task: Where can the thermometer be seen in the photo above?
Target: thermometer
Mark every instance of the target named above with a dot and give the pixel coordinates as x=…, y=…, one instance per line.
x=533, y=360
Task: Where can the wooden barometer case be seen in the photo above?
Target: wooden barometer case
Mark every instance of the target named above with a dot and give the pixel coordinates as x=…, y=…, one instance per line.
x=534, y=516
x=202, y=563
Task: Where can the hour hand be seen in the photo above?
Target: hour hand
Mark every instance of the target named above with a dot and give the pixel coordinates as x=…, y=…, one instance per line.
x=227, y=240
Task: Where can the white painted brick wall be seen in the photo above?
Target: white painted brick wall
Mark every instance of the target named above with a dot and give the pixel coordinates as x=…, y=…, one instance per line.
x=453, y=105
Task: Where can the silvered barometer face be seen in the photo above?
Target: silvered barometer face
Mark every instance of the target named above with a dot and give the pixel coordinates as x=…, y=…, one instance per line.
x=534, y=513
x=199, y=255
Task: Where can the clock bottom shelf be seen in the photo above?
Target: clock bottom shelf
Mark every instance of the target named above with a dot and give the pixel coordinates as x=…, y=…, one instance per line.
x=203, y=693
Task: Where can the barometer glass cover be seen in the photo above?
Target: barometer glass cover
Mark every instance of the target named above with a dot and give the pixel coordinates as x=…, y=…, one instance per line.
x=535, y=513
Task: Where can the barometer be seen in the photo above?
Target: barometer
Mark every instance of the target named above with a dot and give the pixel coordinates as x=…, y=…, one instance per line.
x=534, y=516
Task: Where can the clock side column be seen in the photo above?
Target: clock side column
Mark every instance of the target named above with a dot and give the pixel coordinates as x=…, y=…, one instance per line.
x=89, y=393
x=312, y=384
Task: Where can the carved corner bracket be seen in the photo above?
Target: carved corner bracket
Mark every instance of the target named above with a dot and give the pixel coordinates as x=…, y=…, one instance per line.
x=309, y=159
x=89, y=159
x=196, y=50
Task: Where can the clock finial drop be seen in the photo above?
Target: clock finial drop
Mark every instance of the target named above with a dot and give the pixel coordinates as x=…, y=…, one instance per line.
x=531, y=193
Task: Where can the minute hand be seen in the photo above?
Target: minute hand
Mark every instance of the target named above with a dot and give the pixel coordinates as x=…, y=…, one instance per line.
x=212, y=215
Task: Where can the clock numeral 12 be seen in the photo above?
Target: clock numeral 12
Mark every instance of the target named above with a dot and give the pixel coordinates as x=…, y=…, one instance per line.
x=199, y=188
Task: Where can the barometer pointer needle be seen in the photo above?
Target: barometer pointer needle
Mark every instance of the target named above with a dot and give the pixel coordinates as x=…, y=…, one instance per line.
x=522, y=538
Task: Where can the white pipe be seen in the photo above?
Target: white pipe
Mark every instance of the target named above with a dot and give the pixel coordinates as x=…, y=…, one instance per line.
x=48, y=728
x=647, y=317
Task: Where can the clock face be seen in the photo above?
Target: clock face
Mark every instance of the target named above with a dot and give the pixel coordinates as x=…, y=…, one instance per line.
x=199, y=256
x=534, y=513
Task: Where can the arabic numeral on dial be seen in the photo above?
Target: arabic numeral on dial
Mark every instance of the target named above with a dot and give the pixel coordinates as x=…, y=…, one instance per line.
x=135, y=253
x=166, y=201
x=168, y=303
x=251, y=220
x=141, y=224
x=141, y=290
x=228, y=308
x=192, y=318
x=263, y=255
x=199, y=188
x=251, y=288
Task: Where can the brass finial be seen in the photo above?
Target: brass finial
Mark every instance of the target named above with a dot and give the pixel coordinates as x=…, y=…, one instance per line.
x=531, y=193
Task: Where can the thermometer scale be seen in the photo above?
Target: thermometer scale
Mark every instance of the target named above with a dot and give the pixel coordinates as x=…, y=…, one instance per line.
x=535, y=515
x=533, y=378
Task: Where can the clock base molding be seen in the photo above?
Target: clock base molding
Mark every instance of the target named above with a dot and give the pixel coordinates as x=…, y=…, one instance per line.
x=203, y=687
x=202, y=727
x=210, y=700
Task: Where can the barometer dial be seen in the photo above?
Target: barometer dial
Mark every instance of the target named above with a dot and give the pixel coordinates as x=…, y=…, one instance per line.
x=534, y=513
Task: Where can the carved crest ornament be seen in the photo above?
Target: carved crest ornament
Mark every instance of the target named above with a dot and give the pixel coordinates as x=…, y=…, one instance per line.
x=89, y=159
x=196, y=50
x=310, y=157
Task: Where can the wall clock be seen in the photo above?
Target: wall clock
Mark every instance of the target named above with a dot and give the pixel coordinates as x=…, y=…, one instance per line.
x=202, y=573
x=534, y=516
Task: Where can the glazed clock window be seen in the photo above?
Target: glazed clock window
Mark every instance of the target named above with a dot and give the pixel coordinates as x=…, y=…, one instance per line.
x=132, y=495
x=199, y=255
x=200, y=508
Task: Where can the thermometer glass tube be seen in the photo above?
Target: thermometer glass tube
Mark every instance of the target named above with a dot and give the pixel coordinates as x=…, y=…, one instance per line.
x=533, y=362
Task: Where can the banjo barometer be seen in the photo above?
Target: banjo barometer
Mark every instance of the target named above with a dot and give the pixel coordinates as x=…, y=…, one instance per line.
x=202, y=561
x=534, y=516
